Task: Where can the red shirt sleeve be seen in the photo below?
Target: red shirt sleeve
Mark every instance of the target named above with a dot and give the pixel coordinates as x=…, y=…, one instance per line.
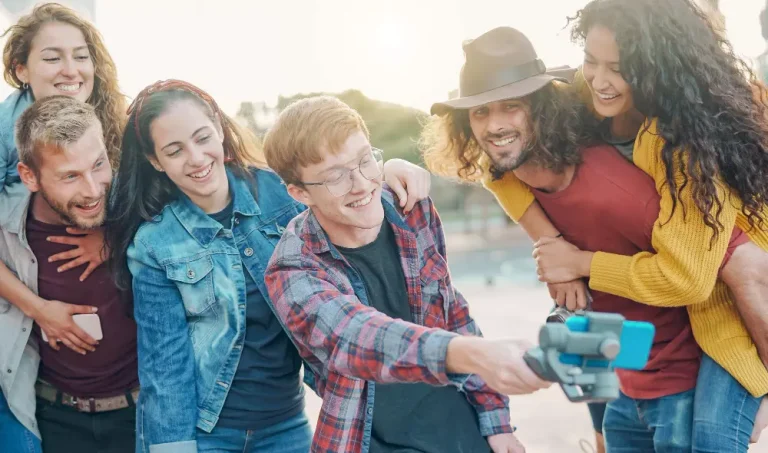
x=738, y=238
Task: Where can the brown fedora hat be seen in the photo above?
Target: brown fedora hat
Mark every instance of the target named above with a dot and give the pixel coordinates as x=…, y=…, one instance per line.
x=500, y=64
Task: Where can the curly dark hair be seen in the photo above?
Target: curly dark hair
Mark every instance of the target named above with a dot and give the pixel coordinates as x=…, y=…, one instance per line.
x=709, y=108
x=560, y=126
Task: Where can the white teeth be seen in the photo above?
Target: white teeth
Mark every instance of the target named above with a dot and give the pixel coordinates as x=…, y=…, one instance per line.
x=504, y=142
x=362, y=202
x=202, y=174
x=63, y=87
x=607, y=97
x=90, y=205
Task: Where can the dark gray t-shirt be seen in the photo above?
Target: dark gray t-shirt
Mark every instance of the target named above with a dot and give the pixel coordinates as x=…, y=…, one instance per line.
x=626, y=146
x=410, y=418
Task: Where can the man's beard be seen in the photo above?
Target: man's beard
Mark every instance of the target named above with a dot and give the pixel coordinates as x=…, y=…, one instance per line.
x=66, y=212
x=506, y=163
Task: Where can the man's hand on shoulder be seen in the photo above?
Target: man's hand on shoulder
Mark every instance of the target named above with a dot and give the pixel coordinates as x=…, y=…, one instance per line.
x=409, y=182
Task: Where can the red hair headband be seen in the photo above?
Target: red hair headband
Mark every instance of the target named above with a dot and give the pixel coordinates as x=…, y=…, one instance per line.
x=166, y=85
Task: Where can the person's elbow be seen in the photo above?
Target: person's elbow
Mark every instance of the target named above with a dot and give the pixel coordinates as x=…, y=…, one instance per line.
x=167, y=421
x=690, y=289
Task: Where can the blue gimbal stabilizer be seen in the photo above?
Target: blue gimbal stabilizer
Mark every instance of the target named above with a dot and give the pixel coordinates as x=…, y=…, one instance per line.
x=582, y=353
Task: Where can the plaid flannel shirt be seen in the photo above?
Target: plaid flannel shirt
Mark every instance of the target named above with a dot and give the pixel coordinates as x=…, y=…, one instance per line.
x=348, y=345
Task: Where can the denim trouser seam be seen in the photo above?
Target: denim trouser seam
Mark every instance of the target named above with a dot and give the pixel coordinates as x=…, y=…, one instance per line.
x=744, y=397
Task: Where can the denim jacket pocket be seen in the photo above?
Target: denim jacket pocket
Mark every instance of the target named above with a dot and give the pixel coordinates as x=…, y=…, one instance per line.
x=194, y=279
x=273, y=232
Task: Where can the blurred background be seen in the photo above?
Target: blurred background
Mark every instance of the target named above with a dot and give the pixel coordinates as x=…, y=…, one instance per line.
x=389, y=60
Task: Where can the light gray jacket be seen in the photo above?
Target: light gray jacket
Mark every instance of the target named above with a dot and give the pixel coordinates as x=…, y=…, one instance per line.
x=19, y=357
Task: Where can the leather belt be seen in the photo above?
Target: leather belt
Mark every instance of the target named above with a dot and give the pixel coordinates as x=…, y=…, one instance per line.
x=50, y=393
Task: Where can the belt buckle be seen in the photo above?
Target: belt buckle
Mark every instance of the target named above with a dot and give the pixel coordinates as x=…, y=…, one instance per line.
x=69, y=400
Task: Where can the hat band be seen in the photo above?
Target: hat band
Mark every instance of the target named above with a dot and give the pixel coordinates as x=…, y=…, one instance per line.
x=483, y=81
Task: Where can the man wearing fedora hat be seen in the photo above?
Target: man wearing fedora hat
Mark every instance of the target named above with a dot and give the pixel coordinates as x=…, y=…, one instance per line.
x=515, y=121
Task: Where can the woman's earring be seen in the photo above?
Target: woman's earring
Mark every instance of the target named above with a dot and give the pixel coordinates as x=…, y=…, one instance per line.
x=24, y=86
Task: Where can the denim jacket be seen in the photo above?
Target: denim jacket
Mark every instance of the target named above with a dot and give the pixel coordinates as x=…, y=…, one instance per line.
x=190, y=303
x=10, y=110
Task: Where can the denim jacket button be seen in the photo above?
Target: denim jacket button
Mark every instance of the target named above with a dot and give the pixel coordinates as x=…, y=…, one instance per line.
x=237, y=221
x=248, y=252
x=191, y=273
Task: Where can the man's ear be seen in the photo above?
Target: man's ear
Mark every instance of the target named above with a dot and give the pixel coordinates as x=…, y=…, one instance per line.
x=300, y=194
x=28, y=177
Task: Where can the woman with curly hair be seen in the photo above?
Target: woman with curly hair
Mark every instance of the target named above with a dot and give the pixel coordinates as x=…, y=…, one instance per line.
x=50, y=51
x=688, y=112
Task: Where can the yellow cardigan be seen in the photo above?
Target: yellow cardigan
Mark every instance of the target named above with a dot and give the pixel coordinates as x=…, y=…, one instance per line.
x=682, y=272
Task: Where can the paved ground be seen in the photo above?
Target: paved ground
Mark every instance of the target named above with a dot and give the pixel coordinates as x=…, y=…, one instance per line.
x=513, y=307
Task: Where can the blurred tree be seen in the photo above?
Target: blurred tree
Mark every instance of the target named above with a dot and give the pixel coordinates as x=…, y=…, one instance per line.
x=246, y=114
x=394, y=128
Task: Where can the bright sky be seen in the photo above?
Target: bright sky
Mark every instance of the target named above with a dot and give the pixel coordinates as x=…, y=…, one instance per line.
x=403, y=51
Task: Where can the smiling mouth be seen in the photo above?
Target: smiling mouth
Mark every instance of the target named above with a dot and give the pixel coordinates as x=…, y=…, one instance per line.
x=501, y=142
x=69, y=87
x=90, y=207
x=361, y=202
x=202, y=173
x=606, y=96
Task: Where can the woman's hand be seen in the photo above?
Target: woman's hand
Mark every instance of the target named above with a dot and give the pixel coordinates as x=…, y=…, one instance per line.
x=573, y=295
x=559, y=261
x=89, y=248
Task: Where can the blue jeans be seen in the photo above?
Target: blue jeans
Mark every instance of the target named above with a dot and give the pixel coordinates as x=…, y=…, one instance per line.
x=724, y=412
x=291, y=436
x=661, y=425
x=14, y=437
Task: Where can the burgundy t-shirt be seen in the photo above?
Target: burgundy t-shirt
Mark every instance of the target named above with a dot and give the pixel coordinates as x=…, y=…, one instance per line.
x=611, y=206
x=112, y=369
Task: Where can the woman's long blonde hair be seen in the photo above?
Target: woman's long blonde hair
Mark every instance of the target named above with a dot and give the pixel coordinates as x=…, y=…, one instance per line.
x=107, y=100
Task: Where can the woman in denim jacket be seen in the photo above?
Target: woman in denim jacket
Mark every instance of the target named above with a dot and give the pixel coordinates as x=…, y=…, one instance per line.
x=50, y=51
x=195, y=220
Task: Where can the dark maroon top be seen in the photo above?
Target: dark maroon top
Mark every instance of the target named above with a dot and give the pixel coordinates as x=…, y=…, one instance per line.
x=611, y=206
x=112, y=369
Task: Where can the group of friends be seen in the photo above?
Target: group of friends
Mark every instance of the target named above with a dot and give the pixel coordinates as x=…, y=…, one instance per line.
x=226, y=272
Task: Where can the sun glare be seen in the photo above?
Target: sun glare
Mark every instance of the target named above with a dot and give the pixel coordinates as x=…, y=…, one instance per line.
x=389, y=41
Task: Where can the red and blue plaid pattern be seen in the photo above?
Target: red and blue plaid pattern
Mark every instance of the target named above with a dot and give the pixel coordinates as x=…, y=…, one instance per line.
x=347, y=343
